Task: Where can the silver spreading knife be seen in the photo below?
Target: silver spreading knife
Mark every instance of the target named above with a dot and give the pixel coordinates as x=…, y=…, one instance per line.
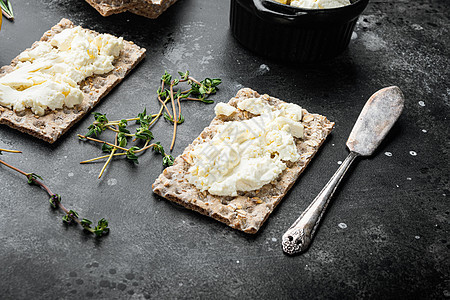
x=376, y=119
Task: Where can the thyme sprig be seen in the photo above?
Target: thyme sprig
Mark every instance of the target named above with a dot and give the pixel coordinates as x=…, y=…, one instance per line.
x=122, y=135
x=7, y=9
x=198, y=91
x=169, y=91
x=71, y=216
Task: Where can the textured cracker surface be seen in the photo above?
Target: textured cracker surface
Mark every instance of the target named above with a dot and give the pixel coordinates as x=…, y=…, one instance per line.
x=55, y=123
x=147, y=8
x=152, y=10
x=249, y=210
x=109, y=7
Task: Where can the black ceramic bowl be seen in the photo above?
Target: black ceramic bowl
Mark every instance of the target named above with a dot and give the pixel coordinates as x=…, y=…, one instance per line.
x=286, y=33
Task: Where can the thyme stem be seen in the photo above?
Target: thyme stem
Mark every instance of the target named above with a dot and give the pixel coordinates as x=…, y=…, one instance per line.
x=116, y=130
x=194, y=80
x=164, y=102
x=100, y=157
x=55, y=201
x=14, y=168
x=146, y=147
x=10, y=151
x=110, y=156
x=175, y=121
x=103, y=142
x=116, y=122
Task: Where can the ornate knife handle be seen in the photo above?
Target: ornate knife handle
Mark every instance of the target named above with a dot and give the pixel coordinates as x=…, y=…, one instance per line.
x=298, y=237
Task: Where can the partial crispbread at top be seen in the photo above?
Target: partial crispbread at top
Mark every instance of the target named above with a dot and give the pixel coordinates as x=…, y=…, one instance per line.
x=147, y=8
x=109, y=7
x=55, y=123
x=152, y=10
x=249, y=210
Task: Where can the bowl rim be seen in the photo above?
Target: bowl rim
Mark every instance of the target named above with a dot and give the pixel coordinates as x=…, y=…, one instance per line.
x=304, y=9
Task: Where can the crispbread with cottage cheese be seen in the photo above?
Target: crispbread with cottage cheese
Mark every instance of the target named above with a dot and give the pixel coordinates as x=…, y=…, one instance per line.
x=249, y=210
x=55, y=123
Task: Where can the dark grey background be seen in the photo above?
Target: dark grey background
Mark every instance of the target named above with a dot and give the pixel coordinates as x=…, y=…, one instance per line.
x=396, y=244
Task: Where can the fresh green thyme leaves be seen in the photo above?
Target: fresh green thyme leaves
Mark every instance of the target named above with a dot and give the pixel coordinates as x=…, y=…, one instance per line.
x=96, y=128
x=131, y=155
x=101, y=228
x=198, y=91
x=32, y=177
x=168, y=160
x=54, y=200
x=86, y=223
x=158, y=148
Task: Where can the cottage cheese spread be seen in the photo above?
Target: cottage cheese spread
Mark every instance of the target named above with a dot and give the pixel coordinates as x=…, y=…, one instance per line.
x=224, y=109
x=315, y=4
x=47, y=77
x=245, y=155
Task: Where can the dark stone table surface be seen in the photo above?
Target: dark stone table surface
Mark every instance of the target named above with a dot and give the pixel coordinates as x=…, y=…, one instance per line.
x=385, y=235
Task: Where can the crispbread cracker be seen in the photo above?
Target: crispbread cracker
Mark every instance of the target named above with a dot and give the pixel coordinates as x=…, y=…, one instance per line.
x=152, y=8
x=147, y=8
x=55, y=123
x=109, y=7
x=248, y=210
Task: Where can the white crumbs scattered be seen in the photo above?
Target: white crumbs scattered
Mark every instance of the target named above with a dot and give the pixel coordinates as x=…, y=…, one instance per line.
x=417, y=237
x=388, y=154
x=264, y=67
x=112, y=181
x=421, y=103
x=274, y=239
x=413, y=153
x=70, y=174
x=416, y=27
x=342, y=225
x=339, y=162
x=239, y=86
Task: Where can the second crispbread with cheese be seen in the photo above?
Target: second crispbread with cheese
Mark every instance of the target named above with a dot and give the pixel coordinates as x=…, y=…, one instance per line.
x=248, y=210
x=55, y=123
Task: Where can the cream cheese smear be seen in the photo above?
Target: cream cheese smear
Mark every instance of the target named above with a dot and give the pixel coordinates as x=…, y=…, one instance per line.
x=48, y=76
x=246, y=155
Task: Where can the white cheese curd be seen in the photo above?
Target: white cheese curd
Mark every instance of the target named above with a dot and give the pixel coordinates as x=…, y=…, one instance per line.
x=47, y=76
x=319, y=4
x=224, y=109
x=245, y=155
x=255, y=106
